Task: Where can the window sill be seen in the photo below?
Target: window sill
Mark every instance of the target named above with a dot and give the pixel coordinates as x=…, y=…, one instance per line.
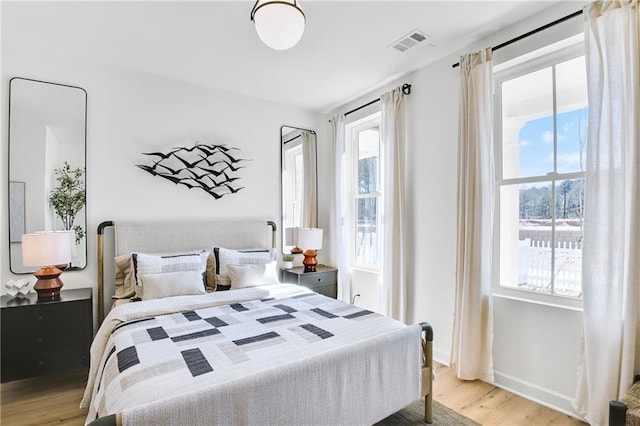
x=538, y=299
x=360, y=268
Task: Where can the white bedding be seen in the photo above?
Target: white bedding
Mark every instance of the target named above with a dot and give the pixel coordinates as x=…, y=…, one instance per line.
x=275, y=354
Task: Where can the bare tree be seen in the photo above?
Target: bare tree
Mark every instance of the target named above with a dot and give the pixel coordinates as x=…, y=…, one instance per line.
x=582, y=144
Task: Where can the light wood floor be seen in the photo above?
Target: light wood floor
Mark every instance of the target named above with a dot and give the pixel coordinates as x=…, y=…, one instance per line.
x=489, y=405
x=55, y=399
x=45, y=400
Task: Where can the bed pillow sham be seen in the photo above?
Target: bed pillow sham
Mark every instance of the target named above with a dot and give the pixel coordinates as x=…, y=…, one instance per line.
x=252, y=275
x=125, y=284
x=146, y=263
x=211, y=272
x=167, y=284
x=223, y=257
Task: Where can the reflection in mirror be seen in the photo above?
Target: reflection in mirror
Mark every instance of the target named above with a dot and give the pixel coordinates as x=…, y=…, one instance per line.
x=47, y=137
x=299, y=182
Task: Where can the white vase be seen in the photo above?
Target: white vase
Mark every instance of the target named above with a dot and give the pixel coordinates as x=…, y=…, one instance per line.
x=287, y=265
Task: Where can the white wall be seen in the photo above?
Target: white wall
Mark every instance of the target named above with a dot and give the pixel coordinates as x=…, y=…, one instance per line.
x=130, y=113
x=535, y=346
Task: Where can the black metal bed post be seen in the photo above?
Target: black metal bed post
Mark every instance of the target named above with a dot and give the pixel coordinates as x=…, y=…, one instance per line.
x=100, y=250
x=427, y=370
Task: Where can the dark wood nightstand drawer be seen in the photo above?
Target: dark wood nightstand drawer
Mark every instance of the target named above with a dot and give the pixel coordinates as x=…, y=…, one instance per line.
x=46, y=337
x=37, y=328
x=327, y=290
x=324, y=281
x=318, y=279
x=20, y=365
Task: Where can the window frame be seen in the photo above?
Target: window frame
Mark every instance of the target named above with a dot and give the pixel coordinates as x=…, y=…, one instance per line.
x=506, y=73
x=290, y=178
x=352, y=129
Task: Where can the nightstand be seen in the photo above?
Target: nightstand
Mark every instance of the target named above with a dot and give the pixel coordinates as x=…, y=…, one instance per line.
x=45, y=337
x=323, y=281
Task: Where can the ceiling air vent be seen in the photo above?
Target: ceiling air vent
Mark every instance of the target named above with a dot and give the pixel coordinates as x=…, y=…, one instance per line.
x=412, y=39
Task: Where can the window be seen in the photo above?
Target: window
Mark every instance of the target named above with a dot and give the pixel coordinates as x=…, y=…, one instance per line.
x=293, y=179
x=542, y=118
x=363, y=139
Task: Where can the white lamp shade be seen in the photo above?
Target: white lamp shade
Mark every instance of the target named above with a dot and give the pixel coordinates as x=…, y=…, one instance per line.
x=46, y=248
x=310, y=238
x=279, y=24
x=290, y=236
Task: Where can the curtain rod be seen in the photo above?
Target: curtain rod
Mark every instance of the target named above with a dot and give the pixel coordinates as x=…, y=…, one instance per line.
x=406, y=89
x=530, y=33
x=313, y=132
x=292, y=139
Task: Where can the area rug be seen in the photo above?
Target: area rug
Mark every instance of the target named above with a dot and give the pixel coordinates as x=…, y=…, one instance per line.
x=414, y=415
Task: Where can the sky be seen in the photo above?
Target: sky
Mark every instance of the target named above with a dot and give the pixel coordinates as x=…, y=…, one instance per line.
x=536, y=143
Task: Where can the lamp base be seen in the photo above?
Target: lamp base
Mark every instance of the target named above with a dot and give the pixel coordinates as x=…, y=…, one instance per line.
x=310, y=261
x=49, y=284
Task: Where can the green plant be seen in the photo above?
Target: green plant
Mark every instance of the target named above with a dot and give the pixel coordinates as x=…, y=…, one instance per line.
x=288, y=258
x=69, y=197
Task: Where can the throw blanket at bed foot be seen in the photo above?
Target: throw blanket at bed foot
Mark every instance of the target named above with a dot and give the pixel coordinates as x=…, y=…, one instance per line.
x=273, y=355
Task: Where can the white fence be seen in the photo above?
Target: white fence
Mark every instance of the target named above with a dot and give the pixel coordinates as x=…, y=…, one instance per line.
x=535, y=266
x=366, y=245
x=534, y=261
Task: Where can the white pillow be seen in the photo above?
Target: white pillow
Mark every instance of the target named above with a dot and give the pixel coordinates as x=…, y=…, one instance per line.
x=252, y=275
x=145, y=263
x=224, y=257
x=181, y=283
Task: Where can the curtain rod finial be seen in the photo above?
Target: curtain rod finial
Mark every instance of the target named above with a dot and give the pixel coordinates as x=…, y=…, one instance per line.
x=406, y=89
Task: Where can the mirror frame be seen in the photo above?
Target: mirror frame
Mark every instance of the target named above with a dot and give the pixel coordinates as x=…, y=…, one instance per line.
x=12, y=262
x=282, y=160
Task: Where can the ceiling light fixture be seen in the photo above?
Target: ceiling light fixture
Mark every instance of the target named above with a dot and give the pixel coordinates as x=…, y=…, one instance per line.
x=279, y=24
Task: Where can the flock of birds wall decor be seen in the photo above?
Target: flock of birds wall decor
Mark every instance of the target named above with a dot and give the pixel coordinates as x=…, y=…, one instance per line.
x=211, y=168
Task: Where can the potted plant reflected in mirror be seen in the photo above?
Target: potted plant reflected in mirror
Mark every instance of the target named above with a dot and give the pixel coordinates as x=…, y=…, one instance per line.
x=68, y=198
x=287, y=261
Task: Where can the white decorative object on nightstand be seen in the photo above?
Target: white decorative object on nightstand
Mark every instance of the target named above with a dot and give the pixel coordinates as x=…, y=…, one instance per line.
x=18, y=288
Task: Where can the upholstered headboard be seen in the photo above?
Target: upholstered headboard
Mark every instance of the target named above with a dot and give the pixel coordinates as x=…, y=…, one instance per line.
x=168, y=236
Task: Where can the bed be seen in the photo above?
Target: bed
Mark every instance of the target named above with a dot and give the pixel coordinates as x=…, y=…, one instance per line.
x=260, y=352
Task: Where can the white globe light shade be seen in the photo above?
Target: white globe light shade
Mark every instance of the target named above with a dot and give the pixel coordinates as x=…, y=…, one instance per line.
x=279, y=25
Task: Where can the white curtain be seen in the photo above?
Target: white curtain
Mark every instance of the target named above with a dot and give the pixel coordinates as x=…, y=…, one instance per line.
x=310, y=190
x=471, y=356
x=611, y=249
x=394, y=297
x=340, y=237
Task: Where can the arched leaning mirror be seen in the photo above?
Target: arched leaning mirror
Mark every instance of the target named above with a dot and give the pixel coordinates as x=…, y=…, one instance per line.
x=299, y=181
x=47, y=146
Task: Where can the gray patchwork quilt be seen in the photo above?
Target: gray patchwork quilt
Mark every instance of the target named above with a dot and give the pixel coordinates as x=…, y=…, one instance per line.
x=200, y=362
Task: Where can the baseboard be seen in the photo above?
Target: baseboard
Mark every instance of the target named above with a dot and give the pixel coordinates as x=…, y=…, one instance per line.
x=441, y=356
x=537, y=394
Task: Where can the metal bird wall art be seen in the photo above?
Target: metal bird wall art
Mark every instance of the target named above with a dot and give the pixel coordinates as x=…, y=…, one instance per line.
x=211, y=168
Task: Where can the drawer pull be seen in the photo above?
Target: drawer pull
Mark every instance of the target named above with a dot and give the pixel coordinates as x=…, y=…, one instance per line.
x=41, y=362
x=319, y=280
x=40, y=317
x=40, y=340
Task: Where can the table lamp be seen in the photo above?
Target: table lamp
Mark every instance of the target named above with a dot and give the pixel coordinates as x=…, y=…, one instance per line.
x=310, y=239
x=291, y=239
x=47, y=250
